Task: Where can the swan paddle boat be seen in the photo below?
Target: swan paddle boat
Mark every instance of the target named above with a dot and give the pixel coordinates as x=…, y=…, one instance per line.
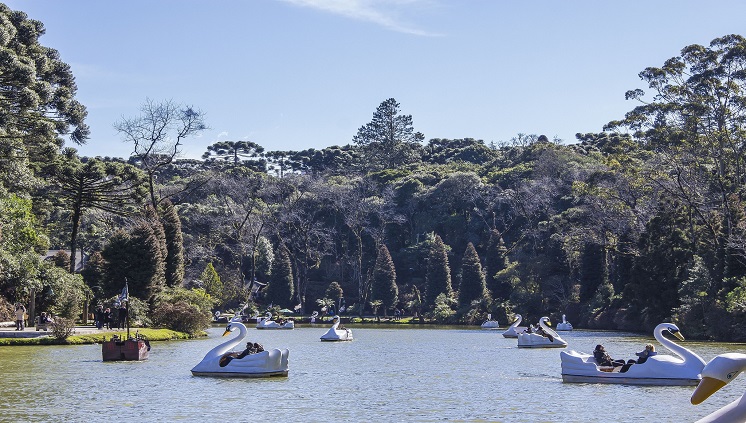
x=263, y=364
x=720, y=371
x=514, y=329
x=489, y=323
x=565, y=325
x=336, y=334
x=550, y=339
x=659, y=369
x=266, y=322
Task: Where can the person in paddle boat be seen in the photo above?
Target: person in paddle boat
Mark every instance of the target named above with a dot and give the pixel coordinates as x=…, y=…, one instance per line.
x=604, y=359
x=642, y=356
x=251, y=348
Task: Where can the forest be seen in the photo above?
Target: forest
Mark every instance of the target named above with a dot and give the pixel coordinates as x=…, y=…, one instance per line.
x=640, y=223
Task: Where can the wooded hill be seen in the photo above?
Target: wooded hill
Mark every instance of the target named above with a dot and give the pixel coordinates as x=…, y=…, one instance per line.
x=641, y=223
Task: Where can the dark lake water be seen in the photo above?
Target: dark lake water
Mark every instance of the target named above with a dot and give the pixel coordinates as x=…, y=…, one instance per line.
x=386, y=374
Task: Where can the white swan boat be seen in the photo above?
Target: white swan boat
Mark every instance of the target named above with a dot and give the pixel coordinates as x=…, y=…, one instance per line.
x=720, y=371
x=264, y=364
x=534, y=340
x=565, y=325
x=514, y=329
x=659, y=369
x=489, y=323
x=336, y=334
x=266, y=322
x=314, y=315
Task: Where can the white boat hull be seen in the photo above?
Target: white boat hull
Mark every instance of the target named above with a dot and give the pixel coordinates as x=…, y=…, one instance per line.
x=615, y=378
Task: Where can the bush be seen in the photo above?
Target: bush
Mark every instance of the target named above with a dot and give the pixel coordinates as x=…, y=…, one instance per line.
x=62, y=328
x=181, y=317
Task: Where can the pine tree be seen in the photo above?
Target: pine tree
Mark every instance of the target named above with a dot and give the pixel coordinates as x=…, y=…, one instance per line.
x=280, y=289
x=174, y=244
x=473, y=285
x=211, y=281
x=438, y=277
x=496, y=261
x=384, y=286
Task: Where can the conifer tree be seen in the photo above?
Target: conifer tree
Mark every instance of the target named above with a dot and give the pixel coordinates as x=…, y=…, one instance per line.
x=496, y=261
x=438, y=276
x=473, y=286
x=174, y=244
x=211, y=281
x=384, y=286
x=280, y=289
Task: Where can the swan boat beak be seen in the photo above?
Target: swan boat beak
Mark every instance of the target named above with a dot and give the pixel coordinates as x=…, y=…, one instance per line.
x=677, y=334
x=707, y=386
x=227, y=331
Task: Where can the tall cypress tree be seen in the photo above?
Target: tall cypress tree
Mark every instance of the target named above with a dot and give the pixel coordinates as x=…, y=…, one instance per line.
x=174, y=244
x=496, y=261
x=384, y=286
x=473, y=285
x=280, y=289
x=438, y=276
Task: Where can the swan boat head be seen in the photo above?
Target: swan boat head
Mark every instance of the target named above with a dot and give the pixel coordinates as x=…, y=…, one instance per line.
x=719, y=372
x=264, y=364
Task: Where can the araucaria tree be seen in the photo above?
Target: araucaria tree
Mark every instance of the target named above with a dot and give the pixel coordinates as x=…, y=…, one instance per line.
x=384, y=286
x=473, y=286
x=438, y=275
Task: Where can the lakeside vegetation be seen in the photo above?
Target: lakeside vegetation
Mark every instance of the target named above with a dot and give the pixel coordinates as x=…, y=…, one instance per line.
x=97, y=338
x=640, y=223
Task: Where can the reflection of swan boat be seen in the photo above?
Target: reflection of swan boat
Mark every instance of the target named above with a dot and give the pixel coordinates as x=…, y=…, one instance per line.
x=534, y=340
x=336, y=334
x=657, y=370
x=489, y=323
x=720, y=371
x=565, y=325
x=514, y=329
x=264, y=364
x=267, y=323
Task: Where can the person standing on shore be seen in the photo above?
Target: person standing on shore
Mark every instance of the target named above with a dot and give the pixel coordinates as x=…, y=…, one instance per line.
x=20, y=316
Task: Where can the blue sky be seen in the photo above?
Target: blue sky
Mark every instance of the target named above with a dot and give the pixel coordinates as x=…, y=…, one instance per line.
x=297, y=74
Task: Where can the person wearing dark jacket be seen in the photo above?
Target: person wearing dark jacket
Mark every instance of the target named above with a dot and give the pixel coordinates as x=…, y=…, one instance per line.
x=604, y=359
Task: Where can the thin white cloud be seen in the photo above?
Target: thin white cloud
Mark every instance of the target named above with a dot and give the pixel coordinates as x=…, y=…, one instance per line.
x=380, y=12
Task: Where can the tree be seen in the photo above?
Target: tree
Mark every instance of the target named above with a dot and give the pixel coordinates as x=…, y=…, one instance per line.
x=95, y=184
x=438, y=274
x=157, y=136
x=134, y=258
x=696, y=123
x=473, y=285
x=174, y=244
x=389, y=140
x=280, y=289
x=335, y=292
x=384, y=286
x=37, y=89
x=211, y=282
x=237, y=153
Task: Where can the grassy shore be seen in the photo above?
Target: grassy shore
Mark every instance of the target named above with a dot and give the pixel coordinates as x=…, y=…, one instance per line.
x=97, y=338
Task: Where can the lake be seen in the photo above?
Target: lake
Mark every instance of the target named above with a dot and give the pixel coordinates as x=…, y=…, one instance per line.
x=431, y=374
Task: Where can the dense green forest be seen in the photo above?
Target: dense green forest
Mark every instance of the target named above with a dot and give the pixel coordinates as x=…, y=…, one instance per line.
x=640, y=223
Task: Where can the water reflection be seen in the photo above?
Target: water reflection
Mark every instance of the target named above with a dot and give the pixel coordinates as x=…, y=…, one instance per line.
x=387, y=374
